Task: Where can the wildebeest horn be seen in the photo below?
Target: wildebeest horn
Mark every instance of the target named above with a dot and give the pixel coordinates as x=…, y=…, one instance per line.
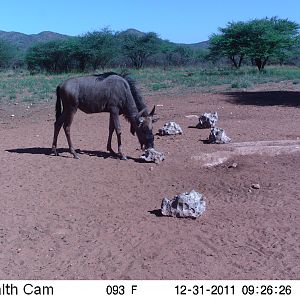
x=139, y=114
x=152, y=111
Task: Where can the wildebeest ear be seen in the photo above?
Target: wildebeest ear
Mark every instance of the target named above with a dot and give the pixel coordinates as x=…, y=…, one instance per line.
x=152, y=111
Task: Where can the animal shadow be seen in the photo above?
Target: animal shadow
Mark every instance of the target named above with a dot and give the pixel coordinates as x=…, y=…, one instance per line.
x=156, y=212
x=60, y=151
x=206, y=141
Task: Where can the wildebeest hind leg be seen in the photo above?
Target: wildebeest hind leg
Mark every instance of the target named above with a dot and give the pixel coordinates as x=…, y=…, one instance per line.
x=114, y=115
x=110, y=134
x=57, y=126
x=67, y=127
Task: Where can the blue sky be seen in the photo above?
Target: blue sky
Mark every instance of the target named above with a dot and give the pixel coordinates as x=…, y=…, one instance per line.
x=186, y=21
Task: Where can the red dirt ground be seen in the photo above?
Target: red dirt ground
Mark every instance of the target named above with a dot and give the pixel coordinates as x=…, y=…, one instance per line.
x=98, y=217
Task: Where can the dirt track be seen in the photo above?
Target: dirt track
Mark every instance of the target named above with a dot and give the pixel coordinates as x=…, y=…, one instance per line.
x=97, y=217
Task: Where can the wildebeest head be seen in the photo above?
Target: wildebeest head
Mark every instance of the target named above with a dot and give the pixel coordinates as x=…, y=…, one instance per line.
x=143, y=128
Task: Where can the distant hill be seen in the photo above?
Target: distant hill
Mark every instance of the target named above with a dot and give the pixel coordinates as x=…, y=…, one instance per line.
x=133, y=32
x=24, y=41
x=195, y=46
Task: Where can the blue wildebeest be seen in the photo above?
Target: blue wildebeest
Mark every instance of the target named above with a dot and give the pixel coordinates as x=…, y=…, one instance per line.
x=108, y=92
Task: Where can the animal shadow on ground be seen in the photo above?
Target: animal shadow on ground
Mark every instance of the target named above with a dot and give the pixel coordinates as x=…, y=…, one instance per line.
x=271, y=98
x=156, y=212
x=47, y=151
x=204, y=141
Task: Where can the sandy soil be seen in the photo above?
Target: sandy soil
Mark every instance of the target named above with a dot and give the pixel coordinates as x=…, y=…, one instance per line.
x=98, y=217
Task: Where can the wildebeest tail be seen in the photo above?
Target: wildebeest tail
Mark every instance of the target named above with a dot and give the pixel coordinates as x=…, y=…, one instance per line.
x=58, y=103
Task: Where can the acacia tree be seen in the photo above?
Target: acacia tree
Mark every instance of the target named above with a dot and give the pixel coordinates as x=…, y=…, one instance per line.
x=101, y=47
x=232, y=43
x=271, y=38
x=139, y=48
x=50, y=57
x=259, y=39
x=58, y=56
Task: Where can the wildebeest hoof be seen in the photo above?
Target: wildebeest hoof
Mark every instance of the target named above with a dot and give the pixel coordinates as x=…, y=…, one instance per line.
x=123, y=157
x=54, y=153
x=111, y=151
x=76, y=156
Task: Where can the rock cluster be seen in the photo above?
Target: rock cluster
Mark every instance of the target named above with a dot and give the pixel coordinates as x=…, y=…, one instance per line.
x=217, y=135
x=187, y=205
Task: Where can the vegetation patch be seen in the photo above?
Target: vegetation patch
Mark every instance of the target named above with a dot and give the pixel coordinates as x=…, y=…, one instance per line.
x=159, y=86
x=23, y=87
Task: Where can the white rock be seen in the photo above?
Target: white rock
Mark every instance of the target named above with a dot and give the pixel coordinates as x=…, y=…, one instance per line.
x=184, y=205
x=170, y=128
x=151, y=155
x=207, y=120
x=218, y=136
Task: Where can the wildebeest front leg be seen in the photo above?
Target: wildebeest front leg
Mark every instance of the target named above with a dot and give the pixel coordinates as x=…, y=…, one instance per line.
x=114, y=115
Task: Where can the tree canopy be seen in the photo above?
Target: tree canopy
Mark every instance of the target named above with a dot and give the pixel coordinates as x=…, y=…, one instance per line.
x=94, y=50
x=259, y=39
x=139, y=48
x=101, y=49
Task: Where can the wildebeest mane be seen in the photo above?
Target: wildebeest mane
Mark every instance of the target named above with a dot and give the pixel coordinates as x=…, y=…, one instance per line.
x=102, y=76
x=134, y=91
